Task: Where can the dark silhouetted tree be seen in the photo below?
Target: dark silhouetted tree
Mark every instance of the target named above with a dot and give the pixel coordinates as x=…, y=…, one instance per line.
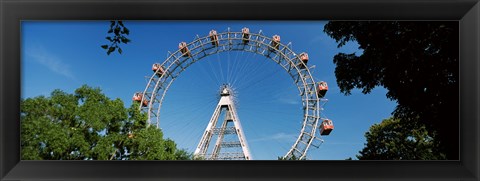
x=417, y=62
x=118, y=35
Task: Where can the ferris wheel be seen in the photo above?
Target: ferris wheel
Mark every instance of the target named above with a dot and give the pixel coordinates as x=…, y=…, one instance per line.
x=314, y=123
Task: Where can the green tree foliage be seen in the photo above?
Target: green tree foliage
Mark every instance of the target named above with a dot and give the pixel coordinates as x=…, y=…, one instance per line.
x=118, y=35
x=417, y=62
x=393, y=139
x=87, y=125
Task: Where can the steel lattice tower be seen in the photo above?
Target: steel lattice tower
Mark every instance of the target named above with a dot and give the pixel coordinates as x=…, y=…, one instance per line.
x=229, y=135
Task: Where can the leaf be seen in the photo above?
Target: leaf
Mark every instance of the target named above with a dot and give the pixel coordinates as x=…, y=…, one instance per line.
x=109, y=38
x=117, y=31
x=110, y=31
x=112, y=23
x=120, y=50
x=126, y=30
x=120, y=23
x=125, y=40
x=104, y=46
x=110, y=50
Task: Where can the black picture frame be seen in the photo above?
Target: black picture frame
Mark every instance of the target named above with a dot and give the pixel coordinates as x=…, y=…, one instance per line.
x=467, y=12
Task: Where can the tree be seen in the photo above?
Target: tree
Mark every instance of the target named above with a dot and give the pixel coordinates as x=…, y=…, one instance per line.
x=417, y=62
x=393, y=139
x=119, y=36
x=88, y=125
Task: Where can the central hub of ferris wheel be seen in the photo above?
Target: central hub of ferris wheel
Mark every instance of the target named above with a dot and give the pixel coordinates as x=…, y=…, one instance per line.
x=230, y=142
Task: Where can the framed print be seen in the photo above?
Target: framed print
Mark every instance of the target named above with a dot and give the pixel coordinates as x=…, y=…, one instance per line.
x=65, y=63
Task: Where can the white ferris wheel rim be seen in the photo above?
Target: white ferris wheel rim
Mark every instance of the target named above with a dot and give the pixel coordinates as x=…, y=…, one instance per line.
x=258, y=43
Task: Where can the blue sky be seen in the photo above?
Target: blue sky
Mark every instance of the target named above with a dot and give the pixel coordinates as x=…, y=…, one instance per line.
x=67, y=54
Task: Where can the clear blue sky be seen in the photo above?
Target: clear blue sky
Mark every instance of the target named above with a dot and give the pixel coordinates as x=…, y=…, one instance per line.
x=67, y=54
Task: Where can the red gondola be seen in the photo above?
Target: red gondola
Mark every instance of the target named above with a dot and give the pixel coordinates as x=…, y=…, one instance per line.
x=137, y=97
x=322, y=89
x=245, y=35
x=214, y=37
x=157, y=66
x=275, y=41
x=304, y=59
x=326, y=127
x=184, y=49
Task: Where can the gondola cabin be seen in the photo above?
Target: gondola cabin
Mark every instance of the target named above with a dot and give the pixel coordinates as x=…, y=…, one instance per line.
x=213, y=37
x=131, y=135
x=137, y=97
x=275, y=41
x=184, y=49
x=245, y=35
x=158, y=69
x=322, y=89
x=304, y=58
x=326, y=127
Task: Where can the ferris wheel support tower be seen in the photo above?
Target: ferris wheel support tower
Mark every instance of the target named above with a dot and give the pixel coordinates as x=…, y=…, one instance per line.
x=226, y=106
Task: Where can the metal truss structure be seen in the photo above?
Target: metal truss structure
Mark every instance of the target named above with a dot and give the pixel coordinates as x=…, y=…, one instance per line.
x=201, y=47
x=223, y=145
